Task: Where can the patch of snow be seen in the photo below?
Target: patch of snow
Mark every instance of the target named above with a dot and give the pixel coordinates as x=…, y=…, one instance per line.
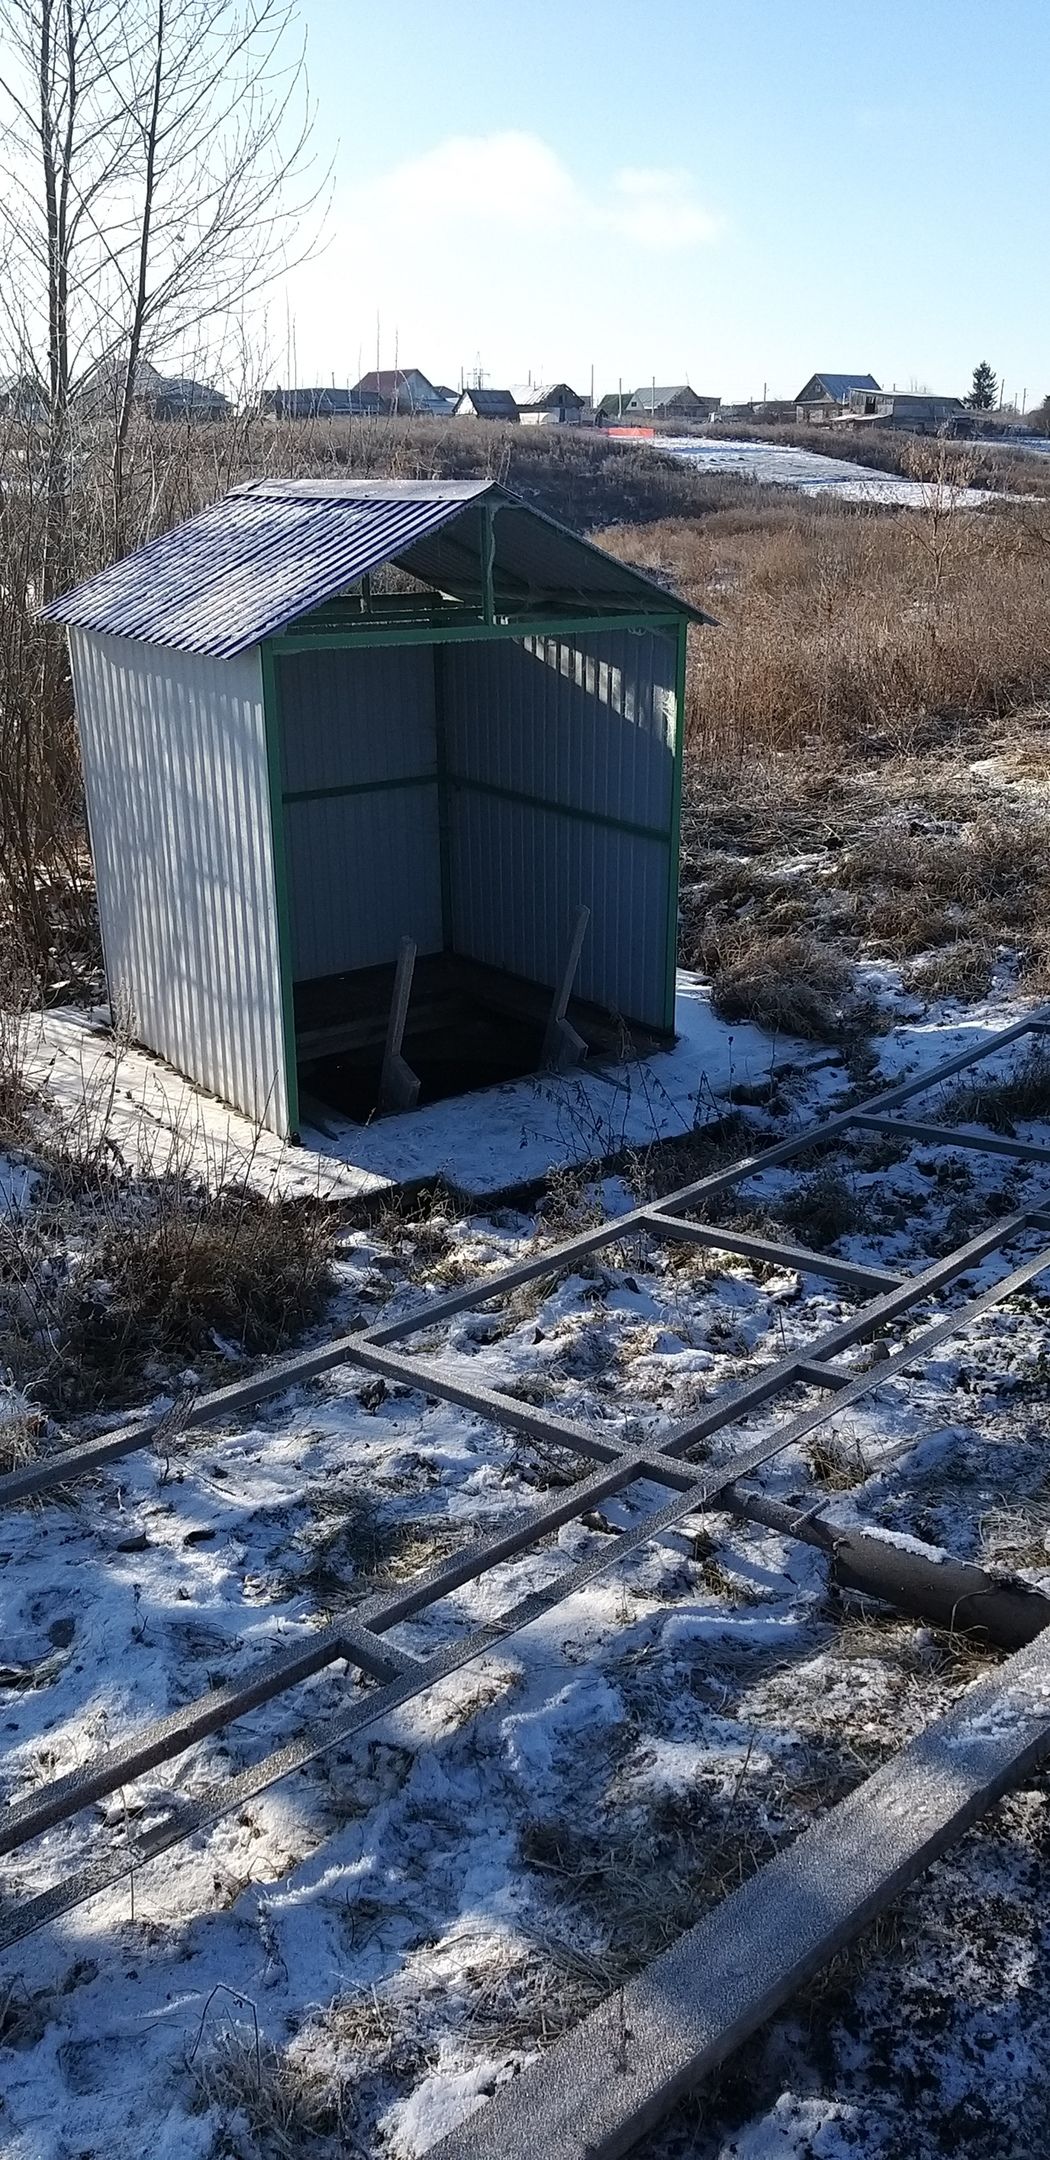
x=814, y=474
x=482, y=1143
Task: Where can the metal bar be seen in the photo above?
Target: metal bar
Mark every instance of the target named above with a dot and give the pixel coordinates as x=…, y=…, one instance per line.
x=863, y=1322
x=448, y=913
x=675, y=826
x=359, y=787
x=370, y=630
x=166, y=1737
x=577, y=811
x=615, y=2076
x=562, y=1046
x=814, y=1371
x=428, y=1377
x=271, y=689
x=171, y=1735
x=951, y=1136
x=866, y=1383
x=307, y=1365
x=721, y=1239
x=398, y=1084
x=488, y=561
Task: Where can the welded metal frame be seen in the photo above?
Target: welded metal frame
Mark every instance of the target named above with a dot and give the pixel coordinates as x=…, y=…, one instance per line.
x=361, y=1641
x=370, y=630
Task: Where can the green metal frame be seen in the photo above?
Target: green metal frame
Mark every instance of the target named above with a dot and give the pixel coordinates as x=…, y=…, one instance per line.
x=575, y=811
x=272, y=722
x=360, y=787
x=675, y=830
x=444, y=825
x=372, y=629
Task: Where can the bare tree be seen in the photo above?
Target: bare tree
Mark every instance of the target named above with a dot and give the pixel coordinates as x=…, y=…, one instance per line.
x=155, y=177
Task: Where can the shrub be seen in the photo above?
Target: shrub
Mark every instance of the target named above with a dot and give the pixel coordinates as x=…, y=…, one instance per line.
x=787, y=984
x=110, y=1284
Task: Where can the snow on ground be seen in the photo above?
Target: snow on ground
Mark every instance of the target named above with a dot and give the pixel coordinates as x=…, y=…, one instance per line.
x=513, y=1135
x=810, y=472
x=411, y=1918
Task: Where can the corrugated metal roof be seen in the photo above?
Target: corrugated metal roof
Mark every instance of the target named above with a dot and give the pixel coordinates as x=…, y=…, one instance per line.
x=537, y=562
x=839, y=386
x=254, y=562
x=271, y=552
x=490, y=404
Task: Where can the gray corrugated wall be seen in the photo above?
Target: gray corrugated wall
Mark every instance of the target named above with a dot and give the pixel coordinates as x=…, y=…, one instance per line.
x=363, y=856
x=587, y=724
x=175, y=773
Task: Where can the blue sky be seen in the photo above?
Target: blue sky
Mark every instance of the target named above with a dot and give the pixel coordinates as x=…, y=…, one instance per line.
x=735, y=194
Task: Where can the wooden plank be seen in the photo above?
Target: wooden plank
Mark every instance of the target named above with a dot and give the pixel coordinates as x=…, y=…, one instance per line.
x=398, y=1084
x=368, y=1031
x=562, y=1046
x=613, y=2078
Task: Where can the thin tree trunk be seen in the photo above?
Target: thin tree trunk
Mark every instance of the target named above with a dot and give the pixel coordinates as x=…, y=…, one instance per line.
x=138, y=318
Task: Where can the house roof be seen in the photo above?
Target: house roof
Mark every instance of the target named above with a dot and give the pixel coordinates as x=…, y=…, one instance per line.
x=390, y=382
x=839, y=386
x=492, y=404
x=663, y=394
x=184, y=386
x=322, y=402
x=538, y=395
x=250, y=565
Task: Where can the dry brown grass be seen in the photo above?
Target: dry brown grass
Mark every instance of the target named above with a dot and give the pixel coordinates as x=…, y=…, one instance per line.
x=961, y=972
x=111, y=1283
x=788, y=984
x=822, y=1208
x=1001, y=1103
x=840, y=624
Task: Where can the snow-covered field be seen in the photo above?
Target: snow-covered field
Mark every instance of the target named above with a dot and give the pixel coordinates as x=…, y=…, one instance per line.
x=349, y=1964
x=809, y=471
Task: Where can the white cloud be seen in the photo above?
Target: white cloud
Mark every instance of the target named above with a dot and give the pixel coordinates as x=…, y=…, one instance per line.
x=658, y=209
x=516, y=182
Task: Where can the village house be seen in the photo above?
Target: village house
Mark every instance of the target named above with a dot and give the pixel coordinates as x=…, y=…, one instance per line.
x=23, y=398
x=163, y=397
x=325, y=402
x=478, y=404
x=825, y=397
x=671, y=401
x=918, y=412
x=405, y=390
x=552, y=405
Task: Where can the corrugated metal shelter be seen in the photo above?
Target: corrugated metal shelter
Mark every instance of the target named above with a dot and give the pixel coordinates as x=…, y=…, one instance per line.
x=288, y=771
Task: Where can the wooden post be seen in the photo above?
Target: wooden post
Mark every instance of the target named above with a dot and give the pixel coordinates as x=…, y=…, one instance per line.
x=398, y=1084
x=562, y=1046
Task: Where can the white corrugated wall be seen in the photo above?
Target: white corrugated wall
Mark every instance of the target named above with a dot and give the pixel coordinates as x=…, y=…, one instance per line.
x=560, y=767
x=175, y=773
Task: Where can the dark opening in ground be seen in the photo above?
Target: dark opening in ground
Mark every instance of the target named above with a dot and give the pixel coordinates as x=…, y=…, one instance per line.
x=471, y=1049
x=468, y=1026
